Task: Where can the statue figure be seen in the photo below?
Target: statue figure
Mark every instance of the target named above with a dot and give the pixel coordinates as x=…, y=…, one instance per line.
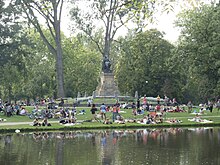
x=106, y=64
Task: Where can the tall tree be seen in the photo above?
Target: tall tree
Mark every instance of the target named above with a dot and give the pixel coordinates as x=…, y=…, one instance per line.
x=40, y=65
x=199, y=50
x=144, y=58
x=11, y=39
x=111, y=15
x=81, y=65
x=50, y=11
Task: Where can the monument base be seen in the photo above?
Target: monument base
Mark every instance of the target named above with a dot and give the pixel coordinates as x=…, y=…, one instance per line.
x=107, y=86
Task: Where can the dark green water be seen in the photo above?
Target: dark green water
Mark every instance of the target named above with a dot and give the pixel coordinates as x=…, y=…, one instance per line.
x=173, y=146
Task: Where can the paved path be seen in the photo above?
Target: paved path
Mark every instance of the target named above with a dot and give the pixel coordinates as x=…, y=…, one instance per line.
x=28, y=123
x=20, y=123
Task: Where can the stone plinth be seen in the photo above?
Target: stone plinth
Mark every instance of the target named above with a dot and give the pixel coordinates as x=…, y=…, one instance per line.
x=107, y=86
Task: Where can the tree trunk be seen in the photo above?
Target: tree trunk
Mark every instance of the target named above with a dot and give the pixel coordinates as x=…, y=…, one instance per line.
x=59, y=61
x=59, y=67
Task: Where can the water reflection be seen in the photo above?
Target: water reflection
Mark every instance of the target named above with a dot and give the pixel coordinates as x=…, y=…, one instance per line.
x=142, y=146
x=116, y=135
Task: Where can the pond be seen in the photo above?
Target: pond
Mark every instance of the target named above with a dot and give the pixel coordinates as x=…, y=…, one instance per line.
x=171, y=146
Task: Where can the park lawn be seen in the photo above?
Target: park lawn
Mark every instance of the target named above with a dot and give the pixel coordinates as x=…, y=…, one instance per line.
x=183, y=116
x=97, y=125
x=126, y=113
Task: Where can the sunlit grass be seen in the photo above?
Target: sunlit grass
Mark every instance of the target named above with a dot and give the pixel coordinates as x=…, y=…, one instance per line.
x=183, y=116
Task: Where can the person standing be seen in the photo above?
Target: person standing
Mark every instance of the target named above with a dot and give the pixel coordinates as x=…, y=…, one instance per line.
x=93, y=111
x=158, y=99
x=114, y=112
x=211, y=106
x=175, y=102
x=189, y=105
x=138, y=103
x=166, y=100
x=145, y=103
x=103, y=111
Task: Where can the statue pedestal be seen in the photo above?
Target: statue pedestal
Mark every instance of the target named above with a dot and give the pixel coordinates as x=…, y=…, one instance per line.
x=107, y=86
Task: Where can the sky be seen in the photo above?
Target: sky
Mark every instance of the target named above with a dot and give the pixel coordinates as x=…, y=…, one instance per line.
x=164, y=24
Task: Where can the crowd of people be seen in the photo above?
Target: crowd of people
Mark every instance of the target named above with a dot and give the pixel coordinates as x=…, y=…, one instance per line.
x=151, y=114
x=155, y=115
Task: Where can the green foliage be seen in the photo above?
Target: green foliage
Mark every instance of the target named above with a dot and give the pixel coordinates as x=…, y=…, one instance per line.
x=50, y=11
x=81, y=67
x=11, y=56
x=144, y=58
x=199, y=51
x=189, y=71
x=10, y=32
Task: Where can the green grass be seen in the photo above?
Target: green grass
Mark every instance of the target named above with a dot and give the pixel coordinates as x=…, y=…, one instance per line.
x=184, y=116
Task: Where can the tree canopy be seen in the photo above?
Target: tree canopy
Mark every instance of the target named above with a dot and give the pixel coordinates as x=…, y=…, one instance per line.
x=38, y=60
x=199, y=50
x=144, y=59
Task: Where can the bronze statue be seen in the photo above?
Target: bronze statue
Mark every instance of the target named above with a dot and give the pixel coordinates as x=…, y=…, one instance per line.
x=106, y=64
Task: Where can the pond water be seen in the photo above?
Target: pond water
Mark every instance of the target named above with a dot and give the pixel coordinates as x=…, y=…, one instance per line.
x=171, y=146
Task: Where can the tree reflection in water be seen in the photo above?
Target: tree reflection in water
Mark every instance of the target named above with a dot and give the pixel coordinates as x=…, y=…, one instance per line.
x=142, y=146
x=115, y=134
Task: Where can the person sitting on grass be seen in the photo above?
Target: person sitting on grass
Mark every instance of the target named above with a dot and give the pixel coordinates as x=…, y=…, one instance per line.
x=147, y=119
x=23, y=111
x=64, y=121
x=134, y=111
x=173, y=121
x=198, y=119
x=45, y=122
x=159, y=118
x=140, y=111
x=202, y=110
x=150, y=119
x=130, y=120
x=36, y=122
x=1, y=120
x=119, y=119
x=107, y=121
x=82, y=112
x=68, y=121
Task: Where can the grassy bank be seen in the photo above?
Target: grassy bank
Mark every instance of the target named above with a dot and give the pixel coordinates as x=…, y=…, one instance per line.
x=89, y=126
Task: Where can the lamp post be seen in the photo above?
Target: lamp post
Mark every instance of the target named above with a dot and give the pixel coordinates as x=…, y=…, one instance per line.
x=146, y=83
